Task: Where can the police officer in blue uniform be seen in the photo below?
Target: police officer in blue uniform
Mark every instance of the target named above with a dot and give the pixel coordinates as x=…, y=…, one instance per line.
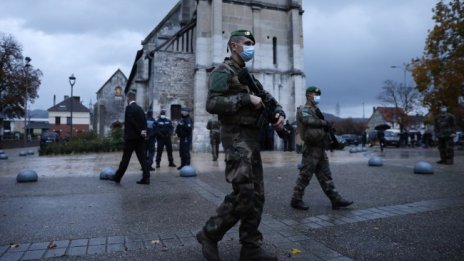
x=151, y=135
x=164, y=132
x=184, y=132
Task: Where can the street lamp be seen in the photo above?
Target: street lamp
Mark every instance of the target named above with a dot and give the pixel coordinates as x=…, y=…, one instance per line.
x=405, y=68
x=72, y=81
x=26, y=97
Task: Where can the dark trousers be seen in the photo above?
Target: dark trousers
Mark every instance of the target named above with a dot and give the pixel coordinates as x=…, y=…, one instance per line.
x=164, y=142
x=129, y=147
x=150, y=151
x=184, y=151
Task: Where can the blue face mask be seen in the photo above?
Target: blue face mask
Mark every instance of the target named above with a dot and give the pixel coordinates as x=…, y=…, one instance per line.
x=248, y=52
x=317, y=99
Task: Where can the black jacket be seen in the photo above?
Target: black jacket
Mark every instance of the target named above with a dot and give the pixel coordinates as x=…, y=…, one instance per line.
x=134, y=122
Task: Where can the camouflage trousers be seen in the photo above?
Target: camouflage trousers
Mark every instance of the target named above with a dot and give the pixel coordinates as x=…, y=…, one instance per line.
x=446, y=148
x=245, y=172
x=315, y=161
x=215, y=140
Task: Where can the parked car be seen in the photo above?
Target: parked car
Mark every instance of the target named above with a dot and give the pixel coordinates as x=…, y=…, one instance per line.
x=48, y=137
x=351, y=139
x=341, y=143
x=392, y=138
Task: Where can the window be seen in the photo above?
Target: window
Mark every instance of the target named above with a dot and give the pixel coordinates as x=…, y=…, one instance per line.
x=175, y=112
x=117, y=91
x=57, y=120
x=68, y=120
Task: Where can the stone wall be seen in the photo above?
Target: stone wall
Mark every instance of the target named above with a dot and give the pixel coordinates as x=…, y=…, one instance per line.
x=172, y=81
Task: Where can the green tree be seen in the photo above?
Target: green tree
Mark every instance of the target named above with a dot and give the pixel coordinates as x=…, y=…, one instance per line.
x=18, y=79
x=439, y=73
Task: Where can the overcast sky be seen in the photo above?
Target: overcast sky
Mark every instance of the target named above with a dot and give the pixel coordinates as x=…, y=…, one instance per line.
x=349, y=44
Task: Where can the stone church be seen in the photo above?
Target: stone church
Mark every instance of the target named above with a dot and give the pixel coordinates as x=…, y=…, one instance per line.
x=108, y=111
x=171, y=69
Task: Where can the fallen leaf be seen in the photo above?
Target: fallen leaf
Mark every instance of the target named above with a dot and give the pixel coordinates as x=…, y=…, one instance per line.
x=155, y=241
x=295, y=251
x=14, y=245
x=51, y=245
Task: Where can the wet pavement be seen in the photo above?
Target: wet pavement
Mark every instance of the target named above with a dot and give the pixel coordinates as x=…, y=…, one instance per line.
x=70, y=214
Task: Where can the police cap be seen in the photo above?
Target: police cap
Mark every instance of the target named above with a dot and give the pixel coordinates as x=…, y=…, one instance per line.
x=242, y=32
x=313, y=89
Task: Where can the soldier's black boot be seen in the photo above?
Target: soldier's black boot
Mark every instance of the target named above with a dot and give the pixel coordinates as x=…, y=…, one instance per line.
x=441, y=162
x=449, y=162
x=298, y=204
x=208, y=247
x=255, y=254
x=339, y=202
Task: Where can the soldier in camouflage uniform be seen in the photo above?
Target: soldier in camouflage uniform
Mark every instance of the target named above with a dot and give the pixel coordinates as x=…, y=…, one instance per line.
x=445, y=129
x=238, y=111
x=313, y=131
x=214, y=128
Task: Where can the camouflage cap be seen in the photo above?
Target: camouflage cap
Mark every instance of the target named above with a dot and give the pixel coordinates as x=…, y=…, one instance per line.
x=313, y=89
x=242, y=32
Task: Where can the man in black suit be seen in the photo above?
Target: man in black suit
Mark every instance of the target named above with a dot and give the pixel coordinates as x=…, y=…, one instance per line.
x=135, y=133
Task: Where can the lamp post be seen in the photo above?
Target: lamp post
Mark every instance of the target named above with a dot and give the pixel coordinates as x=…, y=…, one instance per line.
x=26, y=97
x=405, y=68
x=72, y=81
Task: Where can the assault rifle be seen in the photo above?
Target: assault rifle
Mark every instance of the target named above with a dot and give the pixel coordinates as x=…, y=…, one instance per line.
x=329, y=129
x=268, y=113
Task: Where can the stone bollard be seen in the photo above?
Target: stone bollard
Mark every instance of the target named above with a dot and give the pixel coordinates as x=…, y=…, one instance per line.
x=3, y=156
x=423, y=167
x=107, y=173
x=27, y=175
x=188, y=171
x=375, y=161
x=22, y=153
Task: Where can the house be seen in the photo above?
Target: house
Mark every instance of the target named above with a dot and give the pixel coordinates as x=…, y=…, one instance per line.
x=386, y=115
x=109, y=108
x=59, y=117
x=172, y=67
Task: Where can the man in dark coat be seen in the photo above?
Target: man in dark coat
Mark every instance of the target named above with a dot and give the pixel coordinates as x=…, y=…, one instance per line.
x=135, y=133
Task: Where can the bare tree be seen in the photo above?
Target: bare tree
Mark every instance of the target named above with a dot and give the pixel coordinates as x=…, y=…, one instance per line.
x=406, y=98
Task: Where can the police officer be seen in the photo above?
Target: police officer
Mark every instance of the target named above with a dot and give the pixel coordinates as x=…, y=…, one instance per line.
x=164, y=130
x=238, y=111
x=214, y=128
x=313, y=131
x=184, y=132
x=151, y=135
x=445, y=129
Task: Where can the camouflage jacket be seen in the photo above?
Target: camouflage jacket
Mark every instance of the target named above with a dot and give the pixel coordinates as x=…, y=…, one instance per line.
x=310, y=127
x=230, y=99
x=445, y=125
